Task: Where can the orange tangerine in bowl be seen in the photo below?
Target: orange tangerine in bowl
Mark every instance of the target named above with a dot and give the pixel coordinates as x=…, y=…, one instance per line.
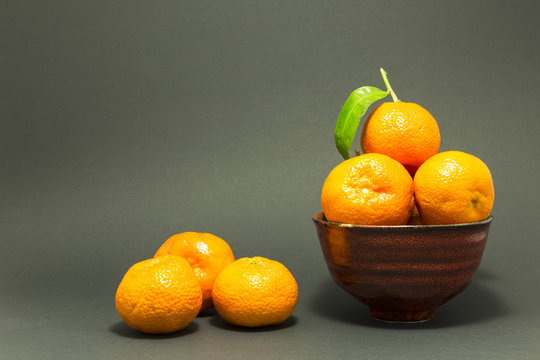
x=370, y=189
x=453, y=187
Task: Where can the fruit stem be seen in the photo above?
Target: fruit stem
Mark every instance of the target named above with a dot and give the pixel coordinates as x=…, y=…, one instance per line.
x=253, y=261
x=388, y=87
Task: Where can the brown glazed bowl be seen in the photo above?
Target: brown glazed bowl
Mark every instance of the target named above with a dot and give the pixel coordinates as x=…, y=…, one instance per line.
x=403, y=273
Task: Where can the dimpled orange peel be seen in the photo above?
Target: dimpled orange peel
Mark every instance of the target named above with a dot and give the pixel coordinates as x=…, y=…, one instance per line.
x=255, y=292
x=206, y=253
x=453, y=187
x=370, y=189
x=159, y=296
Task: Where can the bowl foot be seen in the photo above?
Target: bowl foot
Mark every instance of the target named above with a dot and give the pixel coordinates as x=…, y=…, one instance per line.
x=403, y=317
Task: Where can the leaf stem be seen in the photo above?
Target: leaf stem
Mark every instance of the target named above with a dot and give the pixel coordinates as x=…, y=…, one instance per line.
x=388, y=87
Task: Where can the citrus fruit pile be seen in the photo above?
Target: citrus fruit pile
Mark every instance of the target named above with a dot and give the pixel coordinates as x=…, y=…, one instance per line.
x=401, y=178
x=192, y=272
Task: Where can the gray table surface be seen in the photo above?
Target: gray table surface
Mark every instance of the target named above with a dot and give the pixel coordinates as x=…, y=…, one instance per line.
x=125, y=122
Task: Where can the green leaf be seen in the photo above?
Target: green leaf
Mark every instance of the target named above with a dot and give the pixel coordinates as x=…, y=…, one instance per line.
x=349, y=116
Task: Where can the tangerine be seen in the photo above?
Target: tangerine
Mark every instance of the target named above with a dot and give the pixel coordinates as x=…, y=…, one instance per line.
x=404, y=131
x=370, y=189
x=453, y=187
x=255, y=292
x=159, y=296
x=206, y=253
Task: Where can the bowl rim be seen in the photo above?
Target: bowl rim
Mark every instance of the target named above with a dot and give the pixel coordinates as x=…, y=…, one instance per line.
x=318, y=218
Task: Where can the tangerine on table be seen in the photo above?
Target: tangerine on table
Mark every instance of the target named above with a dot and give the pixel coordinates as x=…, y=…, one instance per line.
x=369, y=189
x=255, y=292
x=159, y=296
x=206, y=253
x=453, y=187
x=404, y=131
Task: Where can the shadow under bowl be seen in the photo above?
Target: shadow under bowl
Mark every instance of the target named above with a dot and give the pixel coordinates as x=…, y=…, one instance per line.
x=403, y=273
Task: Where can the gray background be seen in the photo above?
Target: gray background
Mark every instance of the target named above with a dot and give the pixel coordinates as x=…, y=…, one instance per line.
x=125, y=122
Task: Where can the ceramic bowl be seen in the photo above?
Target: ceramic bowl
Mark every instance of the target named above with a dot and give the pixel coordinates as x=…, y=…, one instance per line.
x=403, y=273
